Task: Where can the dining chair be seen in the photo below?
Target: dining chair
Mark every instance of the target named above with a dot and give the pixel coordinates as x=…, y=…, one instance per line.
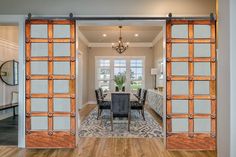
x=139, y=105
x=102, y=105
x=102, y=93
x=138, y=94
x=120, y=107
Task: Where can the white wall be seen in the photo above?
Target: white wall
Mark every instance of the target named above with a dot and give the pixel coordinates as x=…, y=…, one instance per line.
x=226, y=79
x=8, y=51
x=108, y=7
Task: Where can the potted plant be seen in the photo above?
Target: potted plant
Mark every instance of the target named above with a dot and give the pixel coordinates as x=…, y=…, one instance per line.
x=119, y=80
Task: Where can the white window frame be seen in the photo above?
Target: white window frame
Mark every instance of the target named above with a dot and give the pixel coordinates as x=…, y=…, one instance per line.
x=112, y=58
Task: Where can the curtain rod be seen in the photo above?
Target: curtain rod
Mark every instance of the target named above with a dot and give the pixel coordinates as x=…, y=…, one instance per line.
x=169, y=17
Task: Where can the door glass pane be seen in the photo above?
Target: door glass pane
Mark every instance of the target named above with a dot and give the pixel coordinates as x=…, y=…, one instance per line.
x=61, y=86
x=202, y=125
x=202, y=69
x=202, y=50
x=39, y=31
x=179, y=87
x=119, y=62
x=61, y=31
x=61, y=105
x=202, y=106
x=39, y=86
x=104, y=62
x=61, y=68
x=179, y=50
x=136, y=63
x=118, y=71
x=179, y=125
x=179, y=68
x=201, y=87
x=179, y=31
x=39, y=68
x=39, y=105
x=136, y=73
x=39, y=123
x=202, y=31
x=61, y=49
x=61, y=123
x=39, y=49
x=179, y=106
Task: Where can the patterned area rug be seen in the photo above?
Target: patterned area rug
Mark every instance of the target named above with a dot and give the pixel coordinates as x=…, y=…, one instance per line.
x=91, y=127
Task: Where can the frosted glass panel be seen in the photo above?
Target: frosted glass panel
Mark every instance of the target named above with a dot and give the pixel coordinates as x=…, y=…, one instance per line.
x=61, y=31
x=39, y=68
x=39, y=31
x=179, y=50
x=202, y=31
x=61, y=49
x=39, y=123
x=61, y=123
x=39, y=49
x=201, y=87
x=202, y=68
x=179, y=68
x=39, y=105
x=179, y=106
x=202, y=50
x=202, y=125
x=179, y=31
x=61, y=86
x=39, y=86
x=179, y=87
x=61, y=104
x=61, y=68
x=202, y=106
x=179, y=125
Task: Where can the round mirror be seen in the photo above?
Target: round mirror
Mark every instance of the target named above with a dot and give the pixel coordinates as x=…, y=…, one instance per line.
x=9, y=72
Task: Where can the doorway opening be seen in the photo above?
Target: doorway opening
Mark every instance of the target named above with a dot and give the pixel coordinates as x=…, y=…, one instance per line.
x=9, y=81
x=143, y=67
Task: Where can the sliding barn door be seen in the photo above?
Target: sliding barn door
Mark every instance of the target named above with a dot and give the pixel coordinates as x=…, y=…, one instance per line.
x=191, y=85
x=50, y=84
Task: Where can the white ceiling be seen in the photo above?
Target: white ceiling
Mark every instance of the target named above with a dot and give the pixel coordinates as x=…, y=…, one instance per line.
x=94, y=34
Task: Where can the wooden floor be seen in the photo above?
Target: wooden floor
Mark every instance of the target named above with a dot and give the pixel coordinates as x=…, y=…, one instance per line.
x=107, y=147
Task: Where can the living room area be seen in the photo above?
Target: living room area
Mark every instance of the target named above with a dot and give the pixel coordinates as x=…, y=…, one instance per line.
x=120, y=77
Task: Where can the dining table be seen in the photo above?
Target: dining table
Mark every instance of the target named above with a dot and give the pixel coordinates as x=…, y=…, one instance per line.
x=132, y=97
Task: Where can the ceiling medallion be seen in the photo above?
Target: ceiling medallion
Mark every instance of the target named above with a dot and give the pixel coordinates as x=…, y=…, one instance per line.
x=120, y=47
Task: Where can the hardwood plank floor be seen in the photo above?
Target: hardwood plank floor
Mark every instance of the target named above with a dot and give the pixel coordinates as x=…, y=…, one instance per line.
x=107, y=147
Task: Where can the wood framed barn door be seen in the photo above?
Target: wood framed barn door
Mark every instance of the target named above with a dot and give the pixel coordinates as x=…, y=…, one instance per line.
x=50, y=84
x=191, y=84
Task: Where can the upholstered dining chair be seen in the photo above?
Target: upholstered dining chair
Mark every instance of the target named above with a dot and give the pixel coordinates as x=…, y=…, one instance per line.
x=138, y=94
x=102, y=93
x=139, y=105
x=120, y=107
x=102, y=105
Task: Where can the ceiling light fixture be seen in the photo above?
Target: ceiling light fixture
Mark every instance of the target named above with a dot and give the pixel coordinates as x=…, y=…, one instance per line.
x=104, y=35
x=120, y=47
x=136, y=35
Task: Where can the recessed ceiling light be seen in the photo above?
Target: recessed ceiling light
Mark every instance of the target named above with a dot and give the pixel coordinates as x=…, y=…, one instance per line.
x=104, y=35
x=136, y=35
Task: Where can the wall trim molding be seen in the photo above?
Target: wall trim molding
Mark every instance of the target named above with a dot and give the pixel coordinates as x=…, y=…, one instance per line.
x=157, y=38
x=8, y=44
x=91, y=102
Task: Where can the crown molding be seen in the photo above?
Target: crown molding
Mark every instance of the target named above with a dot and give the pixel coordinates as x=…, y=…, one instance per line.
x=136, y=44
x=8, y=44
x=83, y=38
x=157, y=38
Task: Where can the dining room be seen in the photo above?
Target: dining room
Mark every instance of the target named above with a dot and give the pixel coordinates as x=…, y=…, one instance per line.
x=121, y=75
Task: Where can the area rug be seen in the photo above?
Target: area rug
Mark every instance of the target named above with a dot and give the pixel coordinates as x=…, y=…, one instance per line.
x=91, y=127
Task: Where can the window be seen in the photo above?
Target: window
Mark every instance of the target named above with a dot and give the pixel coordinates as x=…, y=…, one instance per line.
x=136, y=74
x=104, y=74
x=108, y=67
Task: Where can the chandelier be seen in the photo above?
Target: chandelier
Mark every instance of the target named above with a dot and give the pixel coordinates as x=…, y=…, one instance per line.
x=120, y=47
